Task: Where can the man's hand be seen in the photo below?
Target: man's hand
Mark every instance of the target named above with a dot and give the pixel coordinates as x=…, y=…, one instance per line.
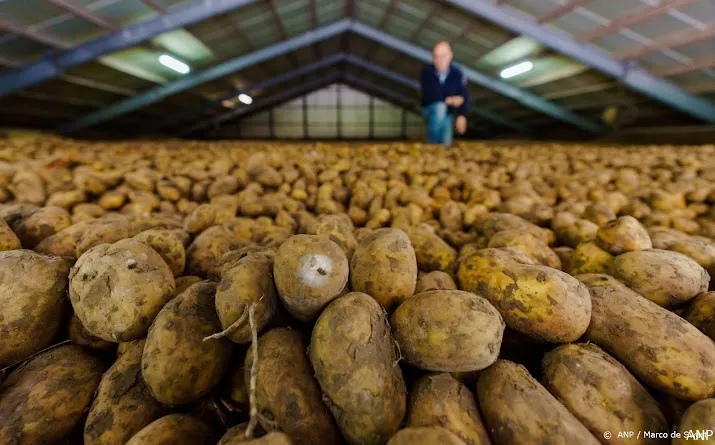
x=454, y=101
x=461, y=124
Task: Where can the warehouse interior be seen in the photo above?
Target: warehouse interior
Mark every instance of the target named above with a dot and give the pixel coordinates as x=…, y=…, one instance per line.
x=595, y=68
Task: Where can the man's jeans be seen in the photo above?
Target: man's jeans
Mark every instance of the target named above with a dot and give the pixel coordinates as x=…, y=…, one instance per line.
x=439, y=124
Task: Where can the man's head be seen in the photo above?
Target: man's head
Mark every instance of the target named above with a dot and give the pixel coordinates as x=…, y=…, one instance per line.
x=442, y=56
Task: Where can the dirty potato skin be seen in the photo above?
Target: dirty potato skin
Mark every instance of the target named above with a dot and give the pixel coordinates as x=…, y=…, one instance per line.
x=425, y=436
x=589, y=258
x=274, y=438
x=174, y=429
x=701, y=313
x=700, y=416
x=384, y=266
x=41, y=224
x=352, y=353
x=309, y=271
x=539, y=301
x=448, y=330
x=8, y=239
x=167, y=244
x=44, y=400
x=534, y=247
x=434, y=280
x=601, y=393
x=79, y=336
x=32, y=297
x=207, y=248
x=514, y=405
x=287, y=393
x=178, y=366
x=624, y=234
x=431, y=251
x=441, y=400
x=660, y=348
x=666, y=278
x=338, y=228
x=117, y=289
x=249, y=281
x=123, y=404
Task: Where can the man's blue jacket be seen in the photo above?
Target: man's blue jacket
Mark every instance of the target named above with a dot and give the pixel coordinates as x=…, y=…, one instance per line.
x=454, y=85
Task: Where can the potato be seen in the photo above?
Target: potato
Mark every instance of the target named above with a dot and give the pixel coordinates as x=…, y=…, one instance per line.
x=66, y=199
x=309, y=271
x=123, y=404
x=664, y=237
x=624, y=234
x=666, y=278
x=589, y=258
x=599, y=213
x=79, y=336
x=701, y=313
x=339, y=229
x=43, y=223
x=117, y=289
x=576, y=232
x=435, y=280
x=544, y=303
x=698, y=423
x=660, y=348
x=167, y=244
x=178, y=366
x=44, y=399
x=513, y=404
x=274, y=438
x=352, y=353
x=601, y=393
x=8, y=239
x=250, y=281
x=531, y=245
x=384, y=266
x=284, y=374
x=703, y=252
x=32, y=297
x=431, y=252
x=450, y=216
x=126, y=347
x=235, y=434
x=425, y=436
x=565, y=254
x=174, y=429
x=183, y=283
x=112, y=200
x=448, y=330
x=496, y=222
x=207, y=248
x=441, y=400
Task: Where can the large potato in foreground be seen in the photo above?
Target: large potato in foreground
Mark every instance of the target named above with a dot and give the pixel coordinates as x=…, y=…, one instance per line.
x=309, y=271
x=44, y=400
x=659, y=347
x=355, y=362
x=32, y=297
x=441, y=400
x=666, y=278
x=123, y=404
x=601, y=393
x=539, y=301
x=425, y=436
x=701, y=313
x=384, y=266
x=448, y=330
x=175, y=429
x=287, y=394
x=518, y=410
x=177, y=364
x=117, y=289
x=699, y=419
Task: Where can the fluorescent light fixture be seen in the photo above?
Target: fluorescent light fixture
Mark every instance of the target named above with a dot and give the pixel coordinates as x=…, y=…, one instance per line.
x=517, y=69
x=173, y=63
x=245, y=98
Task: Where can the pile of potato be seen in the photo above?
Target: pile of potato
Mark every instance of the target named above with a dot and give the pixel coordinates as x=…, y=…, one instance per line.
x=174, y=292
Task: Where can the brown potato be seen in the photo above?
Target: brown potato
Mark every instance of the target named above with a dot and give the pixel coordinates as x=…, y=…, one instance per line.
x=81, y=337
x=169, y=245
x=309, y=272
x=425, y=436
x=431, y=251
x=624, y=234
x=698, y=423
x=701, y=313
x=659, y=347
x=32, y=298
x=274, y=438
x=448, y=330
x=339, y=229
x=576, y=232
x=183, y=283
x=601, y=393
x=43, y=223
x=589, y=258
x=284, y=374
x=664, y=277
x=44, y=399
x=534, y=247
x=599, y=213
x=703, y=252
x=435, y=280
x=178, y=365
x=497, y=222
x=117, y=289
x=513, y=404
x=207, y=248
x=8, y=239
x=441, y=400
x=351, y=342
x=174, y=429
x=384, y=266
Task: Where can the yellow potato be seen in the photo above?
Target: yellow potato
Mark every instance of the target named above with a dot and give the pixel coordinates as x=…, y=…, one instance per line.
x=701, y=313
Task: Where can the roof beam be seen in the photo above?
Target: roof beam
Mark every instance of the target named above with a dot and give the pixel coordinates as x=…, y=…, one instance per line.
x=561, y=11
x=156, y=5
x=14, y=28
x=696, y=65
x=390, y=9
x=524, y=97
x=82, y=12
x=189, y=81
x=629, y=74
x=672, y=40
x=52, y=66
x=633, y=19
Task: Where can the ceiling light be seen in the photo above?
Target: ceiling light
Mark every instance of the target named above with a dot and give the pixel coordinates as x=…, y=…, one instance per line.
x=245, y=98
x=173, y=63
x=517, y=69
